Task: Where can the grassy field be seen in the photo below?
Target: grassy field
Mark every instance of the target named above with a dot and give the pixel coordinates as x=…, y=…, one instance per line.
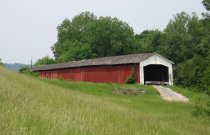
x=37, y=106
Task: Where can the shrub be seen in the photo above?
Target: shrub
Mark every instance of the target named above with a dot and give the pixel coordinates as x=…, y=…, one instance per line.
x=44, y=61
x=208, y=109
x=1, y=63
x=201, y=110
x=27, y=70
x=131, y=79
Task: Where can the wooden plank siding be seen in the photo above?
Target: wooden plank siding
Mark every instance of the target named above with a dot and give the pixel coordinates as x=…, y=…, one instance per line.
x=97, y=74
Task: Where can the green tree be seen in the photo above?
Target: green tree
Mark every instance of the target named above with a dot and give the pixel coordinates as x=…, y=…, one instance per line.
x=112, y=37
x=75, y=50
x=97, y=37
x=206, y=4
x=190, y=73
x=181, y=37
x=72, y=31
x=1, y=63
x=44, y=61
x=206, y=80
x=185, y=41
x=206, y=76
x=147, y=41
x=26, y=70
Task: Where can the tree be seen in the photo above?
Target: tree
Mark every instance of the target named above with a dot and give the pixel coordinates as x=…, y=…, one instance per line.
x=97, y=37
x=72, y=31
x=181, y=38
x=190, y=73
x=44, y=61
x=112, y=37
x=206, y=4
x=147, y=41
x=206, y=80
x=75, y=50
x=206, y=76
x=1, y=63
x=185, y=41
x=26, y=70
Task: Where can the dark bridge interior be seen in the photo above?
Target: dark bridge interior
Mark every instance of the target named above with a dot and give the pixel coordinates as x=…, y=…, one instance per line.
x=155, y=74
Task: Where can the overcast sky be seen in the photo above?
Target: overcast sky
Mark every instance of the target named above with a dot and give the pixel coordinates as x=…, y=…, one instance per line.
x=28, y=27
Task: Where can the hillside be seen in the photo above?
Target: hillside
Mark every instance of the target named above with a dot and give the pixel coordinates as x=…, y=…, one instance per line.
x=31, y=105
x=14, y=66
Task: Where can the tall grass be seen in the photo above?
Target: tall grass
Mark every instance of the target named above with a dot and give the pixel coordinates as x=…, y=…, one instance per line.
x=38, y=106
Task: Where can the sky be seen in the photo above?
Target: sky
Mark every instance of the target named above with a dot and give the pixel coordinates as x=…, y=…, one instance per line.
x=28, y=27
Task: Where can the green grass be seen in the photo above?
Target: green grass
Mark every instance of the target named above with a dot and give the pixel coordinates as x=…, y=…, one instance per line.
x=199, y=99
x=39, y=106
x=99, y=89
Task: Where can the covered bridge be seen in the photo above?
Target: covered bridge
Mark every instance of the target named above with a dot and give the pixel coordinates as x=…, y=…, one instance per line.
x=148, y=68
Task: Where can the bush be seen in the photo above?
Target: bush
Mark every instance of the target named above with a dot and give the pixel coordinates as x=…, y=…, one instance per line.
x=44, y=61
x=27, y=70
x=201, y=110
x=131, y=79
x=208, y=109
x=1, y=63
x=198, y=111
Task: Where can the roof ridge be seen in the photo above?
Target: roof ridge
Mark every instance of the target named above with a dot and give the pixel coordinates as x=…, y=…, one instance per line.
x=116, y=56
x=109, y=60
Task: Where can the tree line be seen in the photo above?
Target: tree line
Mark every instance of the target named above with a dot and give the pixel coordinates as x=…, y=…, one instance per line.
x=1, y=63
x=185, y=41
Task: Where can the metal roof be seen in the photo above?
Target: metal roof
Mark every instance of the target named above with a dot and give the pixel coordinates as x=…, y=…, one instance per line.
x=113, y=60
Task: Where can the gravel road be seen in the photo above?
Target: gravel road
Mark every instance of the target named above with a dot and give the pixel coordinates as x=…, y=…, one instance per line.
x=170, y=95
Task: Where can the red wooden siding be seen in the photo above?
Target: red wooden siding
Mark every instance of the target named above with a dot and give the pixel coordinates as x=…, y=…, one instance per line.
x=98, y=74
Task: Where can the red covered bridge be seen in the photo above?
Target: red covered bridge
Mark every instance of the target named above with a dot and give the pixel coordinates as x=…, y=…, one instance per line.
x=146, y=67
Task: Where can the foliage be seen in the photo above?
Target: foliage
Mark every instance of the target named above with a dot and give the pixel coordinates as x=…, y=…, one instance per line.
x=147, y=41
x=131, y=79
x=190, y=72
x=14, y=66
x=200, y=101
x=87, y=36
x=178, y=43
x=208, y=109
x=185, y=41
x=75, y=51
x=206, y=80
x=1, y=63
x=44, y=61
x=27, y=70
x=206, y=4
x=198, y=111
x=201, y=111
